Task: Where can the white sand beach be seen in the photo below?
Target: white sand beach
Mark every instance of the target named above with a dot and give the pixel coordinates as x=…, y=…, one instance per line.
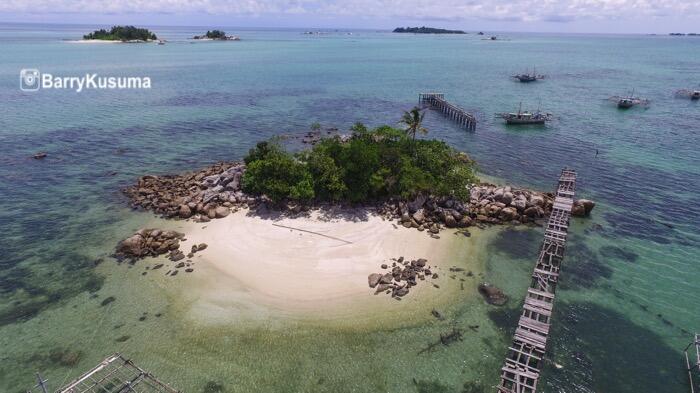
x=310, y=266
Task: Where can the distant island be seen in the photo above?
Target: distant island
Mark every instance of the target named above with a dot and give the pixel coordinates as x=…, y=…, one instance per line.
x=426, y=30
x=683, y=34
x=219, y=35
x=122, y=33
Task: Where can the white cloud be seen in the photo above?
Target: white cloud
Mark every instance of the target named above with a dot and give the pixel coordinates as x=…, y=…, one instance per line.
x=448, y=10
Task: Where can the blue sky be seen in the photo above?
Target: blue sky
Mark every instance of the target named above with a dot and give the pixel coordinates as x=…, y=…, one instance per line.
x=606, y=16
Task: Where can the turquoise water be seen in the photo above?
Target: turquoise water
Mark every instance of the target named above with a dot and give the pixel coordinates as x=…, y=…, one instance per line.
x=631, y=284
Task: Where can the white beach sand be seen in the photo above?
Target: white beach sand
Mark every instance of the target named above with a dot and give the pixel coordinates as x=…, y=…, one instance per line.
x=258, y=269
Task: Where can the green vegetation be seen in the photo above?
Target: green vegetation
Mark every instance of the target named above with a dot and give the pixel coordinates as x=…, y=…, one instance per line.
x=426, y=30
x=213, y=34
x=370, y=165
x=413, y=120
x=121, y=33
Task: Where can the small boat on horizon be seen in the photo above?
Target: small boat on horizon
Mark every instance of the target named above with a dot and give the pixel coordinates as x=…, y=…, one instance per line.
x=692, y=94
x=521, y=118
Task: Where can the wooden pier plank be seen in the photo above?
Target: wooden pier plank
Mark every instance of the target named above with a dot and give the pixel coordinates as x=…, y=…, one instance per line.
x=451, y=111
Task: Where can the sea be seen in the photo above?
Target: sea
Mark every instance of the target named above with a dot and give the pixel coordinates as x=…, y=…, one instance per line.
x=628, y=300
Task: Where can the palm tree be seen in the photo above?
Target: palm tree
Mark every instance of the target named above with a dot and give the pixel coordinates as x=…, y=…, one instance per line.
x=413, y=120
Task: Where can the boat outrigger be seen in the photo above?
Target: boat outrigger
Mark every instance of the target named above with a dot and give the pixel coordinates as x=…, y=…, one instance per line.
x=521, y=117
x=692, y=94
x=629, y=101
x=528, y=77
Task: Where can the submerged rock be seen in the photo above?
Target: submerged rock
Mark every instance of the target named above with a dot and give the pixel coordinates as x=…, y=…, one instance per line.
x=492, y=294
x=582, y=208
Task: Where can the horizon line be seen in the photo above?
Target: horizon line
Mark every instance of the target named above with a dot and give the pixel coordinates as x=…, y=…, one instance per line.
x=377, y=29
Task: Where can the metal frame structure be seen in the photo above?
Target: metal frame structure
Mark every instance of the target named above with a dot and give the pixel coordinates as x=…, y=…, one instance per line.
x=523, y=363
x=115, y=374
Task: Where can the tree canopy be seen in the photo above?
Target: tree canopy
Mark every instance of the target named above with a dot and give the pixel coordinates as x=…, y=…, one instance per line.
x=370, y=165
x=121, y=33
x=213, y=34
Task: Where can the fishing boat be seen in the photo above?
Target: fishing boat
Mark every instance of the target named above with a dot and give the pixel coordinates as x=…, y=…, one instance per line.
x=520, y=117
x=692, y=94
x=626, y=102
x=528, y=77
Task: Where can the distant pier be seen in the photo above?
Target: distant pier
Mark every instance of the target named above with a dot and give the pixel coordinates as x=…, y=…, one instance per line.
x=524, y=360
x=459, y=115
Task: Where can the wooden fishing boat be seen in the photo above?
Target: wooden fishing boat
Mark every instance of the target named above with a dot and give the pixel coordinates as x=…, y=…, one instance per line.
x=692, y=94
x=629, y=101
x=528, y=77
x=524, y=117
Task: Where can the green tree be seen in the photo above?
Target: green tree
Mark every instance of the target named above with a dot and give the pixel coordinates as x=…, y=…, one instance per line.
x=262, y=150
x=279, y=176
x=327, y=176
x=413, y=120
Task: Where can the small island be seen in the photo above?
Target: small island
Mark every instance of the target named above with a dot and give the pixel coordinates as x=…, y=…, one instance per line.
x=426, y=30
x=216, y=35
x=123, y=34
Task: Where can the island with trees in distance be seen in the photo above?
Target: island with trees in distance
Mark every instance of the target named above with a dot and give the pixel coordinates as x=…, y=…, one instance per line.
x=426, y=30
x=122, y=33
x=218, y=35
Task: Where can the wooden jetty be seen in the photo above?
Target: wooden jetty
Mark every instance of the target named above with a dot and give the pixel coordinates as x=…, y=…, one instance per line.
x=696, y=366
x=459, y=115
x=114, y=374
x=524, y=360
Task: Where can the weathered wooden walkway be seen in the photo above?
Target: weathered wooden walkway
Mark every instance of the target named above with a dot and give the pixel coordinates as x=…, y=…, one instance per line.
x=459, y=115
x=115, y=374
x=696, y=366
x=523, y=363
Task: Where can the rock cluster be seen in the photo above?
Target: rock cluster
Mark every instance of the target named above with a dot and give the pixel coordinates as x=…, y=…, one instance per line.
x=404, y=274
x=487, y=204
x=203, y=195
x=151, y=242
x=492, y=294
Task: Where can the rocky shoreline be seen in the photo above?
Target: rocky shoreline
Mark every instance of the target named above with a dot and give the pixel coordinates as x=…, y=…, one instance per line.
x=202, y=195
x=215, y=191
x=155, y=242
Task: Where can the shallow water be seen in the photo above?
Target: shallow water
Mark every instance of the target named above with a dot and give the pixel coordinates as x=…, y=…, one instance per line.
x=629, y=292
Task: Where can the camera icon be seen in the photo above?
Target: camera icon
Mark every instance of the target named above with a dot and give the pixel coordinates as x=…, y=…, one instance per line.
x=29, y=79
